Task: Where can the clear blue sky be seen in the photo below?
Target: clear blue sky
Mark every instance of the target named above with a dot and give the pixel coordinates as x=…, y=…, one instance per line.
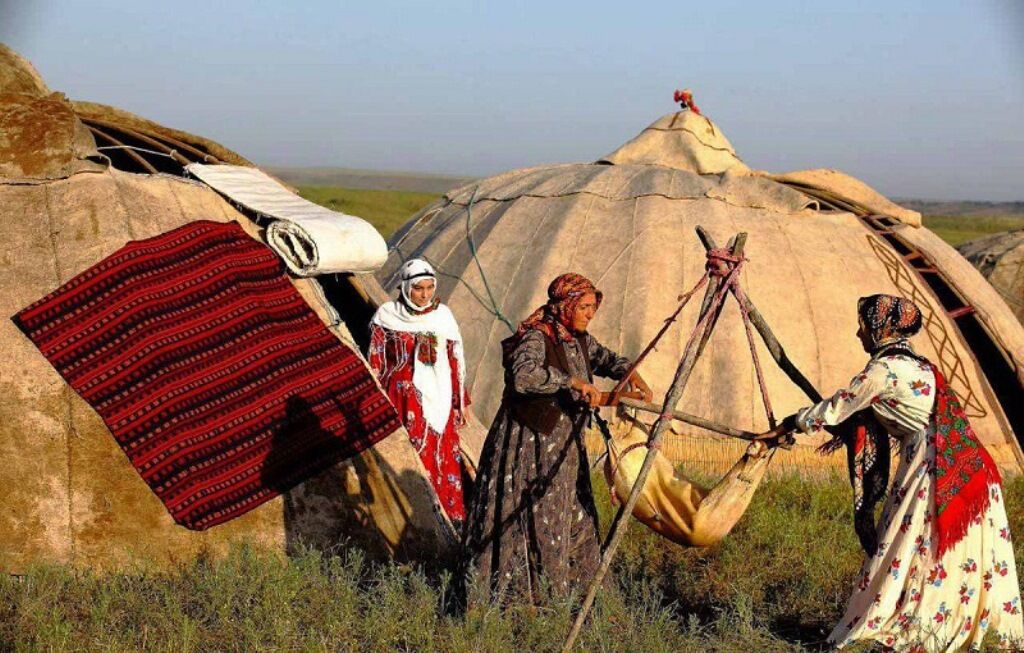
x=920, y=99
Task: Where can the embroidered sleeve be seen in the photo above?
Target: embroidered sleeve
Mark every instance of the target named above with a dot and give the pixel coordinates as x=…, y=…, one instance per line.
x=378, y=338
x=604, y=361
x=867, y=388
x=460, y=361
x=460, y=393
x=390, y=351
x=530, y=374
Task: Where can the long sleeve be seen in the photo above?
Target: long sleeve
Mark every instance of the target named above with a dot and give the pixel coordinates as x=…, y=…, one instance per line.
x=865, y=390
x=604, y=361
x=376, y=356
x=460, y=363
x=460, y=393
x=530, y=374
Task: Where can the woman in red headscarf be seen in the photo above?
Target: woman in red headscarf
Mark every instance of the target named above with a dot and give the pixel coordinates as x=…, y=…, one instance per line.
x=532, y=526
x=940, y=569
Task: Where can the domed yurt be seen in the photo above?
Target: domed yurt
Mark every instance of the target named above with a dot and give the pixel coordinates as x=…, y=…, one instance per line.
x=817, y=241
x=1000, y=259
x=77, y=182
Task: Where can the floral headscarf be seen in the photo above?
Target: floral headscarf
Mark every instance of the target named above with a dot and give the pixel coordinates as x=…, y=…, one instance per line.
x=887, y=319
x=555, y=317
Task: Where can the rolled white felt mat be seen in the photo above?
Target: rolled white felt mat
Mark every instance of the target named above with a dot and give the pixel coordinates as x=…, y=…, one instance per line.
x=327, y=244
x=309, y=238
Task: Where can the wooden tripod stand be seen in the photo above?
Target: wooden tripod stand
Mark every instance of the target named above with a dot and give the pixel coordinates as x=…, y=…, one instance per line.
x=720, y=279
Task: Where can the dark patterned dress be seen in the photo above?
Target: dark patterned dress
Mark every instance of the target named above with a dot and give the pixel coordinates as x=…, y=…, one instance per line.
x=532, y=525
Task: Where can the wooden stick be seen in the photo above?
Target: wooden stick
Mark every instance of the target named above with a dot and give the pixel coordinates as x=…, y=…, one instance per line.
x=708, y=424
x=163, y=137
x=736, y=245
x=770, y=341
x=179, y=158
x=621, y=521
x=712, y=285
x=778, y=353
x=129, y=151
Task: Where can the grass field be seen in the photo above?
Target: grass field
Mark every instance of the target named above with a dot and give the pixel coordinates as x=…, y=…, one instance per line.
x=386, y=209
x=777, y=583
x=958, y=229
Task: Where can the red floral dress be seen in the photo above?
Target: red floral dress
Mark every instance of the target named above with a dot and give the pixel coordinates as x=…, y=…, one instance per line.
x=394, y=357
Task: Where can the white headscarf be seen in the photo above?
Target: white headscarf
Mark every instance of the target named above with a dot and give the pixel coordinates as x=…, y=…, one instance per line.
x=411, y=273
x=405, y=315
x=434, y=382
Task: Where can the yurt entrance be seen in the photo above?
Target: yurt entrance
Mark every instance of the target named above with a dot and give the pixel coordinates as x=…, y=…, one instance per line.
x=361, y=295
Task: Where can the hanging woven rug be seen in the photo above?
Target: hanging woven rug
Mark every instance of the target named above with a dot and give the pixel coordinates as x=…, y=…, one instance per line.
x=215, y=377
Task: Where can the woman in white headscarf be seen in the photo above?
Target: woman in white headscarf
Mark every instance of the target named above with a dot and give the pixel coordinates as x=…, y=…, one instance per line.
x=416, y=352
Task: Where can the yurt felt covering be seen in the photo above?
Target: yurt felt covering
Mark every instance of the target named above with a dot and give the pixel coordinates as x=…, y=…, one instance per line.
x=627, y=222
x=1000, y=259
x=70, y=495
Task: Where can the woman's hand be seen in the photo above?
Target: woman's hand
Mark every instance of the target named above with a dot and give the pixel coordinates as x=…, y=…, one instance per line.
x=785, y=427
x=636, y=383
x=589, y=391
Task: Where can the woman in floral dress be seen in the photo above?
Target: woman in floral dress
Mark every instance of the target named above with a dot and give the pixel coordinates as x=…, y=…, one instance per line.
x=416, y=352
x=532, y=528
x=940, y=570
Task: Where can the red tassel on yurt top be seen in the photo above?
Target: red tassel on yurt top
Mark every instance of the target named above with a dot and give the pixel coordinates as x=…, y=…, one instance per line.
x=685, y=100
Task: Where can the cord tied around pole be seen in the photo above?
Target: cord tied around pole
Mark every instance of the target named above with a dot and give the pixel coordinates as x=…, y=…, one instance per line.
x=721, y=262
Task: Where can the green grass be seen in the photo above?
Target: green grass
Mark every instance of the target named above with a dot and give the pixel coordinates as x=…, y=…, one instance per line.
x=385, y=209
x=777, y=583
x=956, y=230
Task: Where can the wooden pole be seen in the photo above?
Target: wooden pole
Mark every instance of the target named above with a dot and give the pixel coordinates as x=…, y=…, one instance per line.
x=206, y=158
x=705, y=324
x=778, y=353
x=146, y=165
x=735, y=245
x=178, y=157
x=770, y=341
x=708, y=424
x=712, y=285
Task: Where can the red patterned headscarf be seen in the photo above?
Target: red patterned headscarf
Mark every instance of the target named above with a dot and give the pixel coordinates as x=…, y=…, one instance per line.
x=555, y=317
x=886, y=318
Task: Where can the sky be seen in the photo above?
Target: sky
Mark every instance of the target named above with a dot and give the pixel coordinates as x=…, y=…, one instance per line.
x=919, y=99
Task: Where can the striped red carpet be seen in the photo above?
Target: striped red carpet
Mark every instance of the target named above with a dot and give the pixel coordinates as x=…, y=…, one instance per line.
x=215, y=377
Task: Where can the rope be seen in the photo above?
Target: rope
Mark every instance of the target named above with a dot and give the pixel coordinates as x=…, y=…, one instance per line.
x=139, y=149
x=489, y=304
x=720, y=263
x=741, y=296
x=725, y=265
x=683, y=300
x=476, y=259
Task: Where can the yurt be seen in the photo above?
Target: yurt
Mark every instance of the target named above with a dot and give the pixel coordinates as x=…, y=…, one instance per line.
x=1000, y=259
x=817, y=241
x=77, y=182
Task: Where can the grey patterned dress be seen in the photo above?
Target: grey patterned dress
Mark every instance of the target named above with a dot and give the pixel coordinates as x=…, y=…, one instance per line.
x=532, y=523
